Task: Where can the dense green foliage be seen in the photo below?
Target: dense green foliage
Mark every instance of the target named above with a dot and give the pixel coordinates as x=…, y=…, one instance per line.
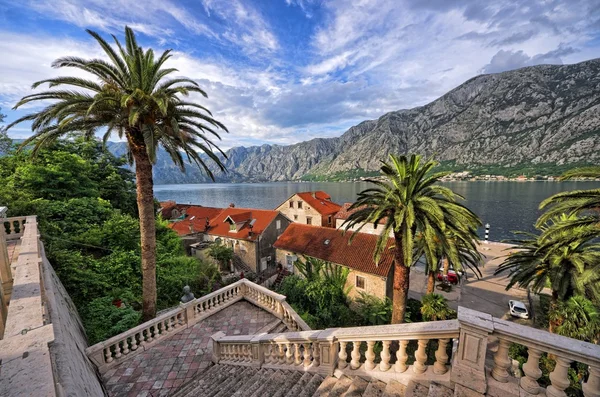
x=221, y=253
x=85, y=203
x=435, y=307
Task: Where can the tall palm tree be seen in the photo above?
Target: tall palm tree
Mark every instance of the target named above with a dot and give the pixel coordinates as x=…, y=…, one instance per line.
x=567, y=266
x=409, y=202
x=130, y=96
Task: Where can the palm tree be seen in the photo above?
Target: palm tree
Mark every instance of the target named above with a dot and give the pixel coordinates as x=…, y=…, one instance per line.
x=567, y=266
x=577, y=318
x=409, y=202
x=435, y=307
x=129, y=96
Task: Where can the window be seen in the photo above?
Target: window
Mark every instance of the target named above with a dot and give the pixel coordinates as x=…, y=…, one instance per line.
x=360, y=282
x=295, y=217
x=308, y=220
x=329, y=219
x=299, y=204
x=232, y=227
x=291, y=204
x=278, y=224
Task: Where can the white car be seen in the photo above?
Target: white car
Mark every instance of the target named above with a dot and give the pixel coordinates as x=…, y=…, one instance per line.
x=518, y=309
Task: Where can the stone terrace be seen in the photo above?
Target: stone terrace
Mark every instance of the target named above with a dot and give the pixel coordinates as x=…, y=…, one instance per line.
x=180, y=357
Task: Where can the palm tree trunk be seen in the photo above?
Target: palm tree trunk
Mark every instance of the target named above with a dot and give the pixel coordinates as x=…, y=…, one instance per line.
x=401, y=285
x=430, y=281
x=145, y=202
x=446, y=266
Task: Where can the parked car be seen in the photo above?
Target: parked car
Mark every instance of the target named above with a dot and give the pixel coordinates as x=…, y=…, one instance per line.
x=518, y=309
x=452, y=277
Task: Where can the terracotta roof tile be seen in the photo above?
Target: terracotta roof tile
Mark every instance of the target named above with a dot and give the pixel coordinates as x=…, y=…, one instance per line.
x=219, y=227
x=331, y=245
x=345, y=212
x=199, y=214
x=320, y=201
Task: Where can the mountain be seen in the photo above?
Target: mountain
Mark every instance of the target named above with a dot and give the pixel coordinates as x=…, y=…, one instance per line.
x=538, y=114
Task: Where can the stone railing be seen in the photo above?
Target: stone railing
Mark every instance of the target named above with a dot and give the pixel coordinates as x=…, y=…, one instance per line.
x=14, y=227
x=118, y=348
x=343, y=349
x=422, y=351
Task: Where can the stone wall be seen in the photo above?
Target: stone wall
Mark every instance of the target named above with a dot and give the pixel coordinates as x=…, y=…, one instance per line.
x=367, y=228
x=75, y=373
x=300, y=215
x=374, y=285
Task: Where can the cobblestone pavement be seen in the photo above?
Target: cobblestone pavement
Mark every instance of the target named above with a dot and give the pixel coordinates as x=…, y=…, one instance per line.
x=175, y=360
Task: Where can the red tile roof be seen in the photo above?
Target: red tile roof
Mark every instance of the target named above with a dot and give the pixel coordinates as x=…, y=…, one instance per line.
x=320, y=201
x=345, y=212
x=199, y=215
x=220, y=227
x=358, y=255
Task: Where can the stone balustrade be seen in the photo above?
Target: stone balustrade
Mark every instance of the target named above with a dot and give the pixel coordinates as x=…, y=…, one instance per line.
x=447, y=352
x=120, y=347
x=14, y=227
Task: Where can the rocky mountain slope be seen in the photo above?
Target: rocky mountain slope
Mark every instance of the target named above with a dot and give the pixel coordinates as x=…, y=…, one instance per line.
x=539, y=114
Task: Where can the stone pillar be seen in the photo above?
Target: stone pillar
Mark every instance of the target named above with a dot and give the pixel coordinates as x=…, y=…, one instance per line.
x=216, y=352
x=329, y=351
x=6, y=278
x=468, y=367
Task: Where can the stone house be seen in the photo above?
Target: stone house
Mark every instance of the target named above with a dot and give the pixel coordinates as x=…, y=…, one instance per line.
x=250, y=232
x=310, y=208
x=344, y=213
x=333, y=246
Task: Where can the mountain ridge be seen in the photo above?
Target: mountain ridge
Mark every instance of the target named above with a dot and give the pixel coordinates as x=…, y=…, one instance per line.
x=537, y=114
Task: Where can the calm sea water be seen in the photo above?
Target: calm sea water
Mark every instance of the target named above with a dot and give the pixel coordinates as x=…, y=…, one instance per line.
x=506, y=206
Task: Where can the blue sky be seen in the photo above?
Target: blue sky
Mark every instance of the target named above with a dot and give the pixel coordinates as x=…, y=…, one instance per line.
x=284, y=71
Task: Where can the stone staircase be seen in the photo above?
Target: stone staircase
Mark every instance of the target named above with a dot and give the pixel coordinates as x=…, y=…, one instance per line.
x=283, y=274
x=223, y=380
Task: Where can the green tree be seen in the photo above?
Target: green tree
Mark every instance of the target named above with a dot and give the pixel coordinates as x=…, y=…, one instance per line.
x=410, y=202
x=435, y=307
x=130, y=97
x=222, y=254
x=568, y=266
x=577, y=318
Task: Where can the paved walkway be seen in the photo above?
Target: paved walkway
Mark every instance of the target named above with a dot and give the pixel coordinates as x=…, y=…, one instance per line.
x=175, y=360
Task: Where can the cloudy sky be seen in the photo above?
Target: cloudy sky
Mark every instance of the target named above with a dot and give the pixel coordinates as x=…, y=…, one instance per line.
x=283, y=71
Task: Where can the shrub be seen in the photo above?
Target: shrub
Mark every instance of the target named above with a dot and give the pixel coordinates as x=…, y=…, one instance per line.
x=103, y=320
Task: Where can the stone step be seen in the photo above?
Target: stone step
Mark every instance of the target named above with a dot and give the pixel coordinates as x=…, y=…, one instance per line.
x=325, y=387
x=394, y=389
x=215, y=381
x=291, y=378
x=268, y=329
x=340, y=387
x=236, y=383
x=312, y=386
x=299, y=386
x=263, y=374
x=357, y=388
x=279, y=329
x=270, y=385
x=201, y=378
x=415, y=389
x=438, y=390
x=376, y=388
x=248, y=386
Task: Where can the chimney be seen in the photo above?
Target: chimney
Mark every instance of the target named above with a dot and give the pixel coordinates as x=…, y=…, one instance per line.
x=232, y=205
x=314, y=194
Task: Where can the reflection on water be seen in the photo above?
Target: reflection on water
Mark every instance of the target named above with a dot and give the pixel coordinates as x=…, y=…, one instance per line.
x=506, y=206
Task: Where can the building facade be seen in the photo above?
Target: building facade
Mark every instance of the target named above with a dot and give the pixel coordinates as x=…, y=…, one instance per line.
x=331, y=245
x=310, y=208
x=370, y=228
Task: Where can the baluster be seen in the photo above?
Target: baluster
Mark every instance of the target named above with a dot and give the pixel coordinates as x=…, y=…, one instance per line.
x=135, y=342
x=559, y=378
x=355, y=362
x=118, y=350
x=384, y=365
x=532, y=371
x=316, y=352
x=342, y=356
x=288, y=354
x=501, y=361
x=229, y=352
x=281, y=353
x=274, y=353
x=226, y=296
x=224, y=352
x=591, y=388
x=401, y=357
x=307, y=360
x=249, y=356
x=421, y=357
x=370, y=355
x=267, y=353
x=441, y=357
x=208, y=304
x=108, y=355
x=126, y=346
x=297, y=356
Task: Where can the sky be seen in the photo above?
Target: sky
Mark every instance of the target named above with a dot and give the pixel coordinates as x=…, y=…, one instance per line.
x=284, y=71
